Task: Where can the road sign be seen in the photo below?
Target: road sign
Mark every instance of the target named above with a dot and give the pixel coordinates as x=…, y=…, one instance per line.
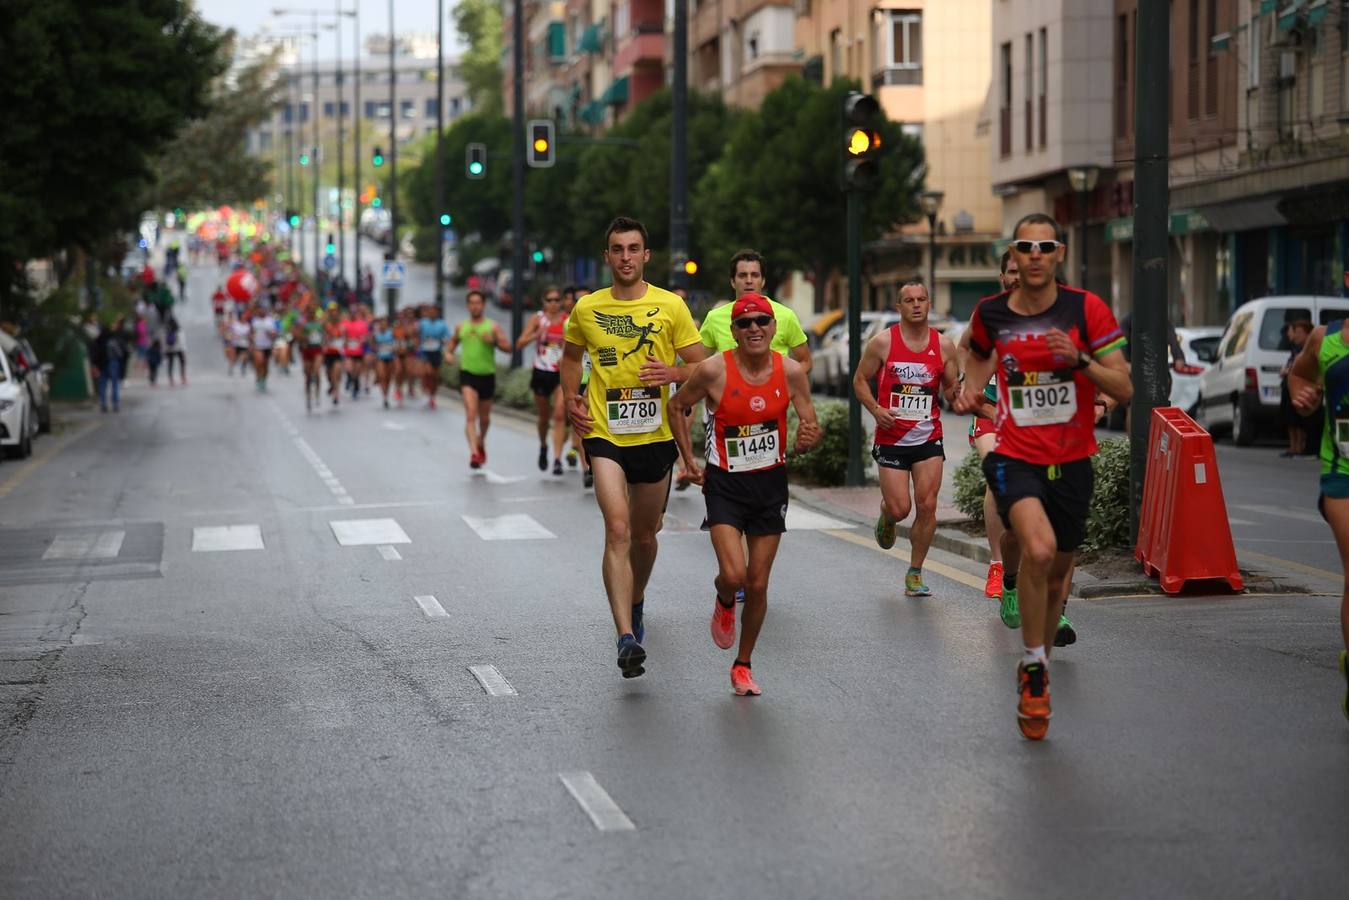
x=394, y=273
x=330, y=262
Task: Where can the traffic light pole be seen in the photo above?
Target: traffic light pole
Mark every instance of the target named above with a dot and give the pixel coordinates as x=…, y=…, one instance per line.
x=854, y=201
x=679, y=187
x=356, y=141
x=440, y=157
x=517, y=178
x=341, y=163
x=393, y=145
x=314, y=155
x=1151, y=201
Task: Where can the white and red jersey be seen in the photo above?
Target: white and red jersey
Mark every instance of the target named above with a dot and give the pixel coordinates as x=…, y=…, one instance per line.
x=550, y=344
x=907, y=386
x=749, y=425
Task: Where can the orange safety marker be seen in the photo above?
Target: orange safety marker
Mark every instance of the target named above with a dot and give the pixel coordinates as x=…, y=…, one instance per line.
x=1183, y=532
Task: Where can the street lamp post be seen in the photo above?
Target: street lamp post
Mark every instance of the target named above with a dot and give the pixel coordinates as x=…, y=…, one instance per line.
x=930, y=201
x=1082, y=179
x=440, y=159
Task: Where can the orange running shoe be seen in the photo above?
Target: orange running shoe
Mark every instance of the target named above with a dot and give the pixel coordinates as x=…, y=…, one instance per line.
x=723, y=624
x=993, y=586
x=1032, y=711
x=742, y=680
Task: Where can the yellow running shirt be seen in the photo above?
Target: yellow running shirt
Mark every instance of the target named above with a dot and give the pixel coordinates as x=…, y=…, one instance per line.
x=619, y=335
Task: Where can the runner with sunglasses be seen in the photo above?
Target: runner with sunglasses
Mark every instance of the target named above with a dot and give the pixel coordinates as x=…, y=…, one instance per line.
x=1052, y=348
x=747, y=390
x=914, y=361
x=547, y=330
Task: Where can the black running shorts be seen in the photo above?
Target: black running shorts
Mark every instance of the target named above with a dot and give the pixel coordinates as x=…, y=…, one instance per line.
x=485, y=385
x=642, y=464
x=543, y=383
x=1064, y=490
x=892, y=456
x=753, y=503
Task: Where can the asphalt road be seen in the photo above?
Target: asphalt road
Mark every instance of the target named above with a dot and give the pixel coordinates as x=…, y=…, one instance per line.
x=301, y=718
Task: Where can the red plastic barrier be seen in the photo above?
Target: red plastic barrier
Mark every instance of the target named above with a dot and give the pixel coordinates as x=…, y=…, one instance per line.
x=1183, y=532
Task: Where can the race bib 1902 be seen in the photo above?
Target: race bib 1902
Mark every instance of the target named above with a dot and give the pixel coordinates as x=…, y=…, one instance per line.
x=751, y=447
x=1042, y=398
x=635, y=410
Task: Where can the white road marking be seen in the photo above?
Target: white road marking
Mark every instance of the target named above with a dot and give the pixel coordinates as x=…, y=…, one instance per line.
x=596, y=802
x=1284, y=512
x=91, y=545
x=801, y=519
x=354, y=532
x=513, y=527
x=394, y=426
x=211, y=538
x=1239, y=522
x=492, y=681
x=311, y=456
x=389, y=553
x=431, y=607
x=494, y=478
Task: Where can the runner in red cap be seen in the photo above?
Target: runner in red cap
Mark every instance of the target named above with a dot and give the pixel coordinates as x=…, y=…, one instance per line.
x=747, y=391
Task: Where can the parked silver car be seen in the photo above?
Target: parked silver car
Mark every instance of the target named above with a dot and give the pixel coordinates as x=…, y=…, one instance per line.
x=34, y=374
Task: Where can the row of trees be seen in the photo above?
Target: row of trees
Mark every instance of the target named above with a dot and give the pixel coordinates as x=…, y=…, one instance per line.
x=108, y=109
x=766, y=179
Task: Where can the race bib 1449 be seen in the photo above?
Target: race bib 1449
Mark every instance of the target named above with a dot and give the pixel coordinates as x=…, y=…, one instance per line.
x=636, y=410
x=751, y=447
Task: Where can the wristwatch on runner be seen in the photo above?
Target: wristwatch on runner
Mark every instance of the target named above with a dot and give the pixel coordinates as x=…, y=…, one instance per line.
x=1083, y=360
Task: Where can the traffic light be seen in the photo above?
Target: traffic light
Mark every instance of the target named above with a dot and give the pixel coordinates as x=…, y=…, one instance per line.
x=861, y=142
x=476, y=162
x=539, y=154
x=690, y=267
x=377, y=158
x=446, y=219
x=376, y=202
x=304, y=159
x=332, y=246
x=538, y=257
x=294, y=220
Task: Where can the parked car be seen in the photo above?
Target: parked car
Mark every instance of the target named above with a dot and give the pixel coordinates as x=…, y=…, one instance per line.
x=376, y=224
x=1240, y=391
x=18, y=423
x=1200, y=346
x=829, y=370
x=36, y=375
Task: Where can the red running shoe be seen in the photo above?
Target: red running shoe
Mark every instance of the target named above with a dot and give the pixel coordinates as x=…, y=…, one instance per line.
x=993, y=586
x=1032, y=709
x=723, y=624
x=475, y=461
x=742, y=681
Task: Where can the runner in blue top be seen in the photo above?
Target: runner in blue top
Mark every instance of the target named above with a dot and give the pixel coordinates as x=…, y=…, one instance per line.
x=381, y=336
x=433, y=333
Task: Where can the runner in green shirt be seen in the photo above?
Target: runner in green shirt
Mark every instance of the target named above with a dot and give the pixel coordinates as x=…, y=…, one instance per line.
x=480, y=338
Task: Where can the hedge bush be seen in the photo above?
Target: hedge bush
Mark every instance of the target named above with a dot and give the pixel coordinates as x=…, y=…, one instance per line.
x=1107, y=518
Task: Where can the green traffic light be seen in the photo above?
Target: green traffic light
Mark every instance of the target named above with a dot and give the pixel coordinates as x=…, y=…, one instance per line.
x=538, y=256
x=475, y=168
x=376, y=203
x=294, y=221
x=304, y=159
x=332, y=248
x=377, y=161
x=445, y=219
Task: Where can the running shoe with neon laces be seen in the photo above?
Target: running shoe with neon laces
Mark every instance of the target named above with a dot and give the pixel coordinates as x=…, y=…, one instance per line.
x=723, y=624
x=913, y=584
x=885, y=532
x=1344, y=670
x=1066, y=633
x=572, y=457
x=1032, y=709
x=742, y=681
x=631, y=657
x=993, y=584
x=1010, y=610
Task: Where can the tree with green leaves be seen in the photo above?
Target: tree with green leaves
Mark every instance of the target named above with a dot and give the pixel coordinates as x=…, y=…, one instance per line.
x=481, y=206
x=96, y=91
x=776, y=185
x=479, y=24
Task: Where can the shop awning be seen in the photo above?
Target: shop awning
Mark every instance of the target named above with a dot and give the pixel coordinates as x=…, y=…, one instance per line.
x=592, y=39
x=616, y=93
x=1183, y=221
x=1316, y=14
x=1288, y=16
x=592, y=112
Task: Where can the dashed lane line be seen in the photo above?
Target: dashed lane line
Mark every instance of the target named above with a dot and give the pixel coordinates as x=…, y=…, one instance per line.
x=492, y=681
x=431, y=606
x=311, y=456
x=596, y=802
x=390, y=554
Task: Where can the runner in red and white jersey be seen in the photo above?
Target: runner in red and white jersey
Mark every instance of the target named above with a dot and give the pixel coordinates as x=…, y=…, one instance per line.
x=547, y=330
x=1052, y=347
x=748, y=390
x=912, y=362
x=355, y=333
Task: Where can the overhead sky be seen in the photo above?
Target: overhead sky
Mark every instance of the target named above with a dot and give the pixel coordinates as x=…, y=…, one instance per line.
x=251, y=16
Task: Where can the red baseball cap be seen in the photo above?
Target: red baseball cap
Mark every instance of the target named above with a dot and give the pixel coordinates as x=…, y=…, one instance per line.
x=751, y=303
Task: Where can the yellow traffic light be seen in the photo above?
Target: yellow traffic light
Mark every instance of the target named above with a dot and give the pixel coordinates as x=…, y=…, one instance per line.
x=690, y=267
x=859, y=141
x=540, y=145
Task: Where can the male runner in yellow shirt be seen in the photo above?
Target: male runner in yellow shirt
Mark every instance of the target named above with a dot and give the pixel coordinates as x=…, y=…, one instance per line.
x=627, y=329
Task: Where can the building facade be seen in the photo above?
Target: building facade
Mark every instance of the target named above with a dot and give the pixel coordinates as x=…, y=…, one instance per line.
x=741, y=49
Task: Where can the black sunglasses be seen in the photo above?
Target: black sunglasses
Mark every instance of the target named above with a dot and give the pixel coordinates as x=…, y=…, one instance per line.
x=552, y=299
x=1045, y=247
x=746, y=321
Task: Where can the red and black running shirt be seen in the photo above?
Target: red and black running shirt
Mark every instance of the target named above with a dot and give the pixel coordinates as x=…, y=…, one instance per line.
x=1045, y=409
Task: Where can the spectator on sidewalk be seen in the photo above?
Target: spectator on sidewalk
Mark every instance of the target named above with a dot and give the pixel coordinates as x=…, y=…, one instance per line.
x=1297, y=332
x=175, y=349
x=107, y=359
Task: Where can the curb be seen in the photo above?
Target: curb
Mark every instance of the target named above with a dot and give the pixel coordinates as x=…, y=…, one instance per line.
x=948, y=539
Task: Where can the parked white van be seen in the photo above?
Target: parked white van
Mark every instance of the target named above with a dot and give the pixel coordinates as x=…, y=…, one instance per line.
x=1241, y=389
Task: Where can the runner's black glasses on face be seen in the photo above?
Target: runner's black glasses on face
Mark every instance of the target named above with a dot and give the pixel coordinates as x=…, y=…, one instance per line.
x=761, y=321
x=552, y=299
x=1045, y=247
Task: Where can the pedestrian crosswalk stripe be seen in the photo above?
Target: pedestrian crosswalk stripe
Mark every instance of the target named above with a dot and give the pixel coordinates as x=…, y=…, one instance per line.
x=492, y=681
x=596, y=802
x=354, y=532
x=513, y=527
x=390, y=554
x=211, y=538
x=90, y=545
x=431, y=606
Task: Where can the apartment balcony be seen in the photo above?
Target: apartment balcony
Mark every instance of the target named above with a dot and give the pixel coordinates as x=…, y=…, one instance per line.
x=644, y=45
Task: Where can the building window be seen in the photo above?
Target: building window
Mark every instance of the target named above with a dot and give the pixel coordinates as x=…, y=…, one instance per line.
x=1005, y=100
x=899, y=48
x=752, y=46
x=407, y=109
x=454, y=107
x=1044, y=86
x=1192, y=70
x=329, y=109
x=1030, y=91
x=430, y=107
x=1122, y=76
x=1287, y=100
x=304, y=112
x=836, y=54
x=1253, y=48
